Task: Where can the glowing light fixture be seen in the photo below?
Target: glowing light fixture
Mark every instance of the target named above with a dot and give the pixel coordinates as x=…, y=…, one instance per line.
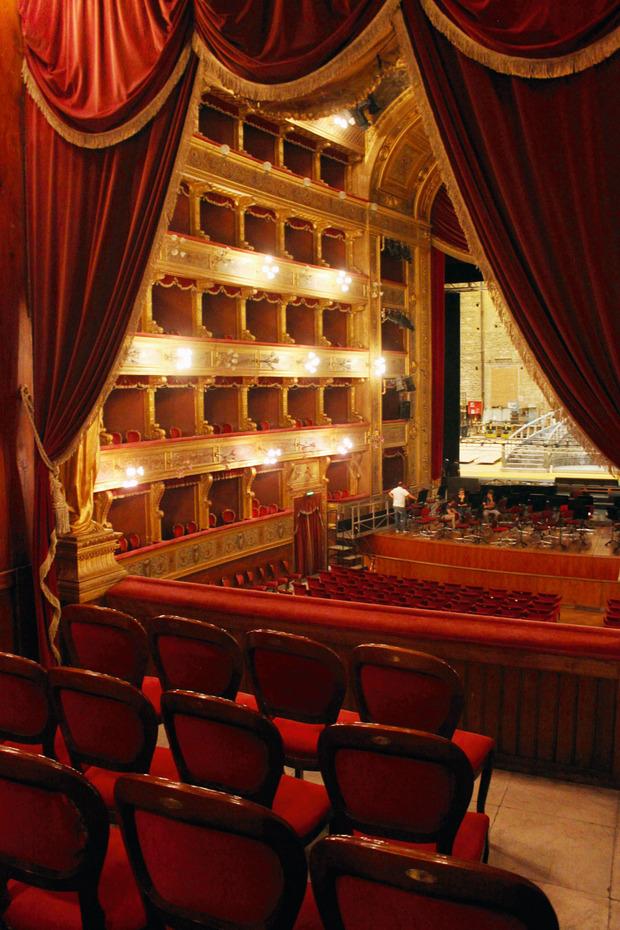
x=224, y=150
x=183, y=359
x=344, y=281
x=380, y=367
x=345, y=446
x=270, y=269
x=343, y=120
x=312, y=363
x=133, y=474
x=272, y=456
x=267, y=166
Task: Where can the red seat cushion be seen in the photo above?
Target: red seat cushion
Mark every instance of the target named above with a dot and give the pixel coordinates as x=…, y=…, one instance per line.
x=301, y=739
x=469, y=843
x=104, y=780
x=60, y=748
x=37, y=909
x=151, y=689
x=475, y=746
x=303, y=804
x=308, y=917
x=247, y=700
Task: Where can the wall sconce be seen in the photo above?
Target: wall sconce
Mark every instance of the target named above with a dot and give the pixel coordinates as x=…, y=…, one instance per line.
x=183, y=359
x=272, y=456
x=312, y=363
x=345, y=446
x=270, y=269
x=178, y=241
x=379, y=366
x=133, y=475
x=344, y=281
x=224, y=150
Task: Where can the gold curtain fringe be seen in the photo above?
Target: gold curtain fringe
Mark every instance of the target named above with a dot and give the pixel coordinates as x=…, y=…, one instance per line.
x=50, y=597
x=298, y=98
x=150, y=271
x=476, y=251
x=101, y=140
x=515, y=65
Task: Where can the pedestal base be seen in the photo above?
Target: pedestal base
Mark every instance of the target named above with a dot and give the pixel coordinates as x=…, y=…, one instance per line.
x=86, y=565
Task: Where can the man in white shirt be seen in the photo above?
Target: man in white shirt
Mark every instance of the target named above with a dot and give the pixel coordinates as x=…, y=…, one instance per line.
x=399, y=496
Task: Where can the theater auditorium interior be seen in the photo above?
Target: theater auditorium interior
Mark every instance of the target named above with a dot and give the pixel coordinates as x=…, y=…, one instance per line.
x=309, y=465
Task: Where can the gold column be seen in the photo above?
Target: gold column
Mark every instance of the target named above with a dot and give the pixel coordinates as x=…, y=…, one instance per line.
x=198, y=328
x=322, y=418
x=283, y=336
x=245, y=423
x=148, y=324
x=242, y=322
x=247, y=495
x=152, y=429
x=195, y=227
x=154, y=514
x=204, y=487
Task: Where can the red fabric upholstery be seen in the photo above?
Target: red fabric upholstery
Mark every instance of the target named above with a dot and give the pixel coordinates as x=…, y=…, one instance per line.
x=299, y=683
x=476, y=747
x=363, y=777
x=151, y=689
x=222, y=754
x=102, y=649
x=24, y=708
x=469, y=842
x=444, y=222
x=301, y=803
x=191, y=867
x=61, y=753
x=308, y=917
x=37, y=909
x=368, y=905
x=192, y=665
x=300, y=739
x=104, y=780
x=388, y=696
x=115, y=733
x=23, y=809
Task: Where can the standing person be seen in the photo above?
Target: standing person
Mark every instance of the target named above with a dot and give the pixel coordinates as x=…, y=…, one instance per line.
x=399, y=496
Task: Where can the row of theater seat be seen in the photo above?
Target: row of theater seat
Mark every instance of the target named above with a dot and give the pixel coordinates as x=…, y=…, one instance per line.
x=376, y=588
x=274, y=576
x=369, y=769
x=612, y=612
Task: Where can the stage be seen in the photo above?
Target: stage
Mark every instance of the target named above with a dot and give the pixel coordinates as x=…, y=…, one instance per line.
x=584, y=579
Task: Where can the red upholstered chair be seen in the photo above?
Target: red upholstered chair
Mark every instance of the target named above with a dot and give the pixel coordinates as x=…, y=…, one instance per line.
x=269, y=583
x=191, y=526
x=205, y=859
x=117, y=438
x=105, y=640
x=122, y=544
x=63, y=865
x=240, y=579
x=178, y=530
x=219, y=744
x=227, y=427
x=133, y=435
x=175, y=432
x=263, y=511
x=300, y=685
x=134, y=541
x=228, y=515
x=191, y=655
x=109, y=727
x=264, y=425
x=361, y=885
x=212, y=520
x=402, y=687
x=27, y=719
x=402, y=785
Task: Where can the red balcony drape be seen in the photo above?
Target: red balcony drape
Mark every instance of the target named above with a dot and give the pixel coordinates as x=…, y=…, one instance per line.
x=535, y=162
x=92, y=216
x=309, y=539
x=444, y=222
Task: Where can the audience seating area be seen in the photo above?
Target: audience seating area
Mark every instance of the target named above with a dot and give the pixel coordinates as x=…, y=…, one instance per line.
x=216, y=811
x=272, y=576
x=612, y=613
x=345, y=584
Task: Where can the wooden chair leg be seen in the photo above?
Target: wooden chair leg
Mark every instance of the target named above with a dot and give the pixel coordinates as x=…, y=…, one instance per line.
x=485, y=781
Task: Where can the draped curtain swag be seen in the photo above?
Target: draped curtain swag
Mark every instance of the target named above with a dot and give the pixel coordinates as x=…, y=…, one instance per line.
x=111, y=86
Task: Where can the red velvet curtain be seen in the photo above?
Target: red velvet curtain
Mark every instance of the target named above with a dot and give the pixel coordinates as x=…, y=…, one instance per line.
x=532, y=28
x=438, y=336
x=92, y=216
x=536, y=164
x=309, y=539
x=444, y=222
x=273, y=41
x=97, y=64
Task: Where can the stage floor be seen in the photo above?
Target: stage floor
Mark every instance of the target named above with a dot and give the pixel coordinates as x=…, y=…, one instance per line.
x=586, y=579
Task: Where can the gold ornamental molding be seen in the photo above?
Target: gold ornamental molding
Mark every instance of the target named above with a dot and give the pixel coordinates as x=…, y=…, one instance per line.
x=395, y=434
x=162, y=459
x=191, y=256
x=176, y=558
x=277, y=185
x=395, y=364
x=158, y=355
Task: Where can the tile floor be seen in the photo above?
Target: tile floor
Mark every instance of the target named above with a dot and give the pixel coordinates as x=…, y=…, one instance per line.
x=565, y=838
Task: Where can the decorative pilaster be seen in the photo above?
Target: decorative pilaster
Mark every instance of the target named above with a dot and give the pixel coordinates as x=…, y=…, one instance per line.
x=86, y=566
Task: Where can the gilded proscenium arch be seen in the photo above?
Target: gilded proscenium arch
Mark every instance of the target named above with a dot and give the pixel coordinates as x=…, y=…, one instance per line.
x=401, y=176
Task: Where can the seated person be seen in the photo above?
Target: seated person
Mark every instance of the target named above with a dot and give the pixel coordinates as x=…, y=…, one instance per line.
x=457, y=507
x=490, y=510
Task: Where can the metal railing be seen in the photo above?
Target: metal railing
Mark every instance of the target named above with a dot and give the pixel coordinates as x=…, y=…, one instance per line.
x=356, y=518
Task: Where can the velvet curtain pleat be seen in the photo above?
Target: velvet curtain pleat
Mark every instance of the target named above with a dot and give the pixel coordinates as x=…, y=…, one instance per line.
x=438, y=338
x=444, y=222
x=92, y=217
x=535, y=163
x=274, y=41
